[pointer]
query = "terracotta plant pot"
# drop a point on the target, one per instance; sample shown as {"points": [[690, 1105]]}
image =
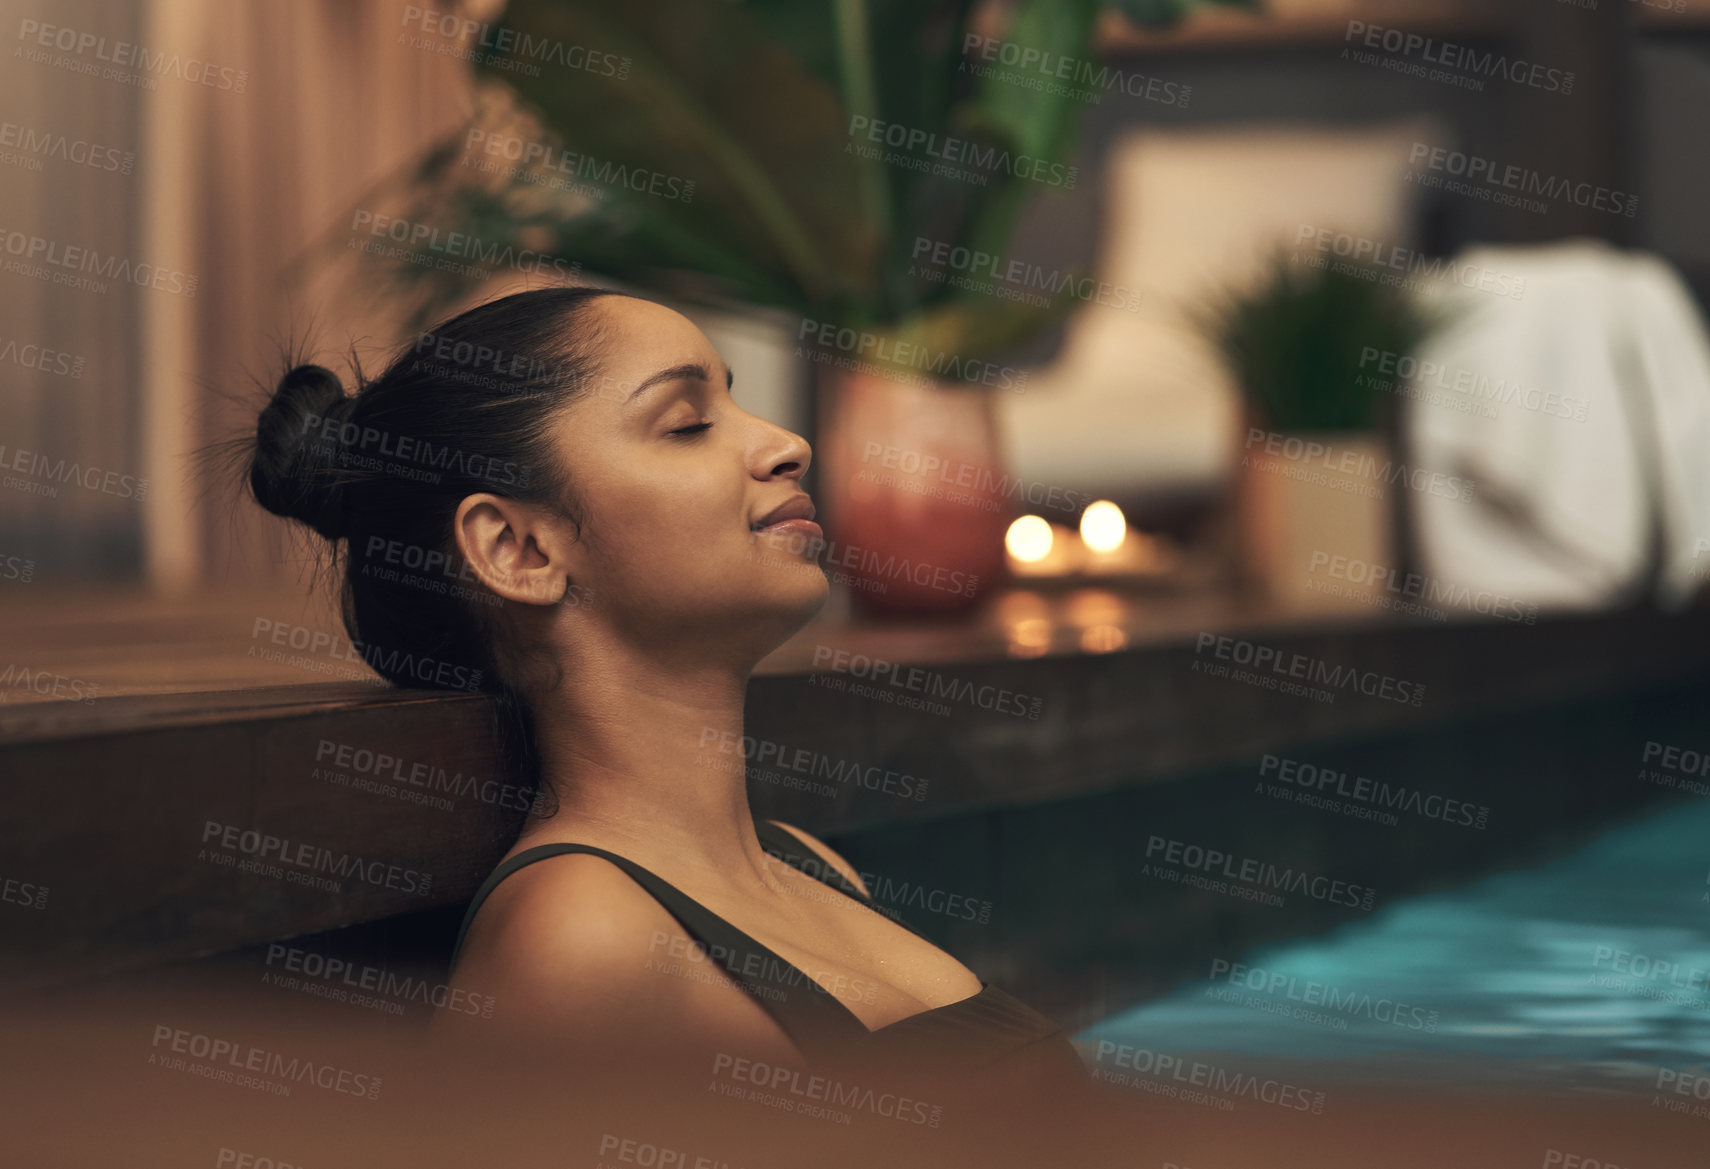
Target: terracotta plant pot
{"points": [[917, 499]]}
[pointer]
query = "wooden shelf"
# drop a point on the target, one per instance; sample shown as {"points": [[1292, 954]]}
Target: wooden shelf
{"points": [[105, 804], [128, 645], [1690, 16], [1301, 24]]}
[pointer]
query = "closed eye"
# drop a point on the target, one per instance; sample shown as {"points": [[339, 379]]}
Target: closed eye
{"points": [[692, 431]]}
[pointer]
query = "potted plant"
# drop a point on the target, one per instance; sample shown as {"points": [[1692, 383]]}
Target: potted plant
{"points": [[797, 155], [1320, 355]]}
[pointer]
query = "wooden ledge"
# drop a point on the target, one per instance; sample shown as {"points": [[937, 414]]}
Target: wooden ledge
{"points": [[126, 810]]}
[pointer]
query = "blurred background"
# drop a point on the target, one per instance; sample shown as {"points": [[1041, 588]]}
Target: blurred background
{"points": [[1301, 406], [1181, 159]]}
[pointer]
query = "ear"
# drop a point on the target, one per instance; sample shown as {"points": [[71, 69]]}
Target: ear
{"points": [[522, 551]]}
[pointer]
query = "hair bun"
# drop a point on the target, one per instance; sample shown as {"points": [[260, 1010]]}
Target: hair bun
{"points": [[295, 471]]}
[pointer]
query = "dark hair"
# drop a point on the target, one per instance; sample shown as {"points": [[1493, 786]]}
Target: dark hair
{"points": [[465, 408]]}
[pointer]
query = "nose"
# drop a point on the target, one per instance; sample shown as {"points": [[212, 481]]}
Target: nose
{"points": [[782, 454]]}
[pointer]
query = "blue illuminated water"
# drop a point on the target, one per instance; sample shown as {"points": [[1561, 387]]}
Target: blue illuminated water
{"points": [[1509, 964]]}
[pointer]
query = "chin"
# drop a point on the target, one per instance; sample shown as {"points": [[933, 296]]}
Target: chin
{"points": [[796, 600], [815, 591]]}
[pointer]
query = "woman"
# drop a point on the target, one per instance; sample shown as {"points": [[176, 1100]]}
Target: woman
{"points": [[633, 543]]}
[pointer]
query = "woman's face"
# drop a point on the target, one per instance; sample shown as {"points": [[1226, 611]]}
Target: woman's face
{"points": [[673, 478]]}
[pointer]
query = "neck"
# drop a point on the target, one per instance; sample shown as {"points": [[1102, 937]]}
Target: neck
{"points": [[644, 756]]}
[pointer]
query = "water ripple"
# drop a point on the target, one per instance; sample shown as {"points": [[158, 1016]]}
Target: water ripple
{"points": [[1593, 966]]}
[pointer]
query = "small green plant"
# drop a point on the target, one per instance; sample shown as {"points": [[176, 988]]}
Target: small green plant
{"points": [[1309, 346]]}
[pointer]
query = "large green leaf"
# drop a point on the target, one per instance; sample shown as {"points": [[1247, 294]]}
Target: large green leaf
{"points": [[756, 103], [710, 97]]}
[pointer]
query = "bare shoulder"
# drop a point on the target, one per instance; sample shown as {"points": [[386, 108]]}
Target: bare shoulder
{"points": [[571, 947], [826, 854], [573, 905], [564, 937]]}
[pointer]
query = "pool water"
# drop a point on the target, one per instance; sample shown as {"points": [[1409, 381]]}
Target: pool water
{"points": [[1591, 970]]}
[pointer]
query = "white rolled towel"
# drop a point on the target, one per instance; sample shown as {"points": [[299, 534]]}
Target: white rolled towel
{"points": [[1580, 408]]}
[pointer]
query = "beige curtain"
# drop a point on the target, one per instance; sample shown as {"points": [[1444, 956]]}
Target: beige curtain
{"points": [[69, 404], [112, 143], [238, 186]]}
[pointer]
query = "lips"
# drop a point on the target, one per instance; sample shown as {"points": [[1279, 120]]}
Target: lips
{"points": [[797, 507], [791, 525]]}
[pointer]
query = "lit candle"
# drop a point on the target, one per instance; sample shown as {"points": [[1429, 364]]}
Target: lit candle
{"points": [[1029, 539], [1103, 527]]}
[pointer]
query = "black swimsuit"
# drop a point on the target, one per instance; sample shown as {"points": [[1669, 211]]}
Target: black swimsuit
{"points": [[984, 1030]]}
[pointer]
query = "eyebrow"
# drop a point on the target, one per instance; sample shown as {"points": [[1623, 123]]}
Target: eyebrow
{"points": [[691, 369]]}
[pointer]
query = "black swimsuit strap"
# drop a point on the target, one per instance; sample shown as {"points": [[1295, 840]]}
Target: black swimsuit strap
{"points": [[808, 1013], [784, 845]]}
